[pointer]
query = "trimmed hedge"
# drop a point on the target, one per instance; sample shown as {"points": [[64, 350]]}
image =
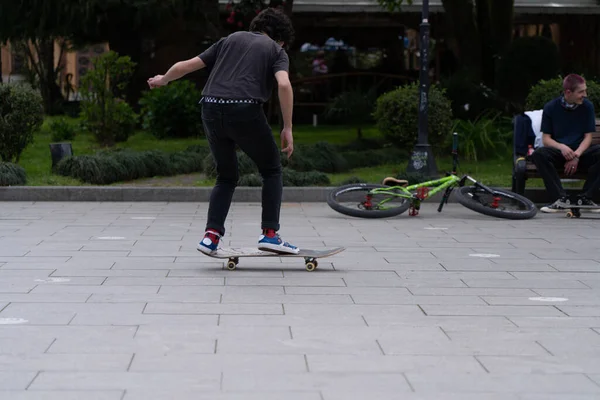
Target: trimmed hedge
{"points": [[12, 174], [290, 178], [123, 165]]}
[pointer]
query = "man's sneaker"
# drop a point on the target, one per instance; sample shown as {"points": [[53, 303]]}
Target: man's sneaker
{"points": [[558, 206], [210, 242], [584, 201], [271, 241]]}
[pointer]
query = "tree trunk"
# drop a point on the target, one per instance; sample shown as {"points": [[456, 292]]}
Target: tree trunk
{"points": [[502, 25], [461, 18], [41, 61], [485, 37], [128, 43]]}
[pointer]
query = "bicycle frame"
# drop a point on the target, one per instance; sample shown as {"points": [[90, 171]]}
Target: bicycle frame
{"points": [[447, 183]]}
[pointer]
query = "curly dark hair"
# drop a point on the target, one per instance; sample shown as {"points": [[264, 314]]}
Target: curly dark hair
{"points": [[274, 23]]}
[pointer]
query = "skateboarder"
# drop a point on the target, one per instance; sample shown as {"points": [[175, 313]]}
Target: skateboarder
{"points": [[243, 67]]}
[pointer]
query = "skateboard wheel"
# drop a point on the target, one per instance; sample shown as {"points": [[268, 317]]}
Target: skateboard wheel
{"points": [[569, 214], [231, 265], [311, 266]]}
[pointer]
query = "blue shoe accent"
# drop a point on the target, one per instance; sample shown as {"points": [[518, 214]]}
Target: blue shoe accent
{"points": [[276, 245], [210, 243]]}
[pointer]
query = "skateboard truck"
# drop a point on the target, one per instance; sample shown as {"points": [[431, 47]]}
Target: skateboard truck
{"points": [[311, 263]]}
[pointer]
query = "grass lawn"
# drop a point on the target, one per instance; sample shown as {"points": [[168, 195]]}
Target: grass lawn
{"points": [[37, 162]]}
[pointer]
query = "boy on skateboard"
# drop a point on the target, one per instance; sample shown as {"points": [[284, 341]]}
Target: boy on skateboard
{"points": [[242, 67]]}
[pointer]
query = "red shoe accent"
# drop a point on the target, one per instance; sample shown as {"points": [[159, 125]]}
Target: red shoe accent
{"points": [[270, 233]]}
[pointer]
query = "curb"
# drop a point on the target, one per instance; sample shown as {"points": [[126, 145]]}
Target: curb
{"points": [[309, 194], [170, 194]]}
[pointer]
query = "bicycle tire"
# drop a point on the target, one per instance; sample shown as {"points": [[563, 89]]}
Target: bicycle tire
{"points": [[356, 212], [529, 208]]}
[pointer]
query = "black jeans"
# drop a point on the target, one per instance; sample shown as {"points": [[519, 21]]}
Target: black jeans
{"points": [[246, 125], [548, 160]]}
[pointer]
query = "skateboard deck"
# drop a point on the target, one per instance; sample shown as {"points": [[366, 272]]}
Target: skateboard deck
{"points": [[575, 209], [235, 253]]}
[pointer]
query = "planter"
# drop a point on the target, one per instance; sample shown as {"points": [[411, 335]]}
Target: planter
{"points": [[58, 151]]}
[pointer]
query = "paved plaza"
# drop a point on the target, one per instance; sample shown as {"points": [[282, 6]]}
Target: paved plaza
{"points": [[111, 301]]}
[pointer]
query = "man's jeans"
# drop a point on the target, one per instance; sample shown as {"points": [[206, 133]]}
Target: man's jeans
{"points": [[226, 125], [548, 160]]}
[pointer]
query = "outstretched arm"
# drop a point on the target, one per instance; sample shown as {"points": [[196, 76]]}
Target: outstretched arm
{"points": [[177, 71]]}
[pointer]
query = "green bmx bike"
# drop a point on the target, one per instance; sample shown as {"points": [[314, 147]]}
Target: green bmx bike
{"points": [[367, 200]]}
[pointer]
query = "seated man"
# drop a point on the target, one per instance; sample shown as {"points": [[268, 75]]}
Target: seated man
{"points": [[568, 122]]}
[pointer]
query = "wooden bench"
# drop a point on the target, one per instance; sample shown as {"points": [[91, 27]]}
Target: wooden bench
{"points": [[524, 168]]}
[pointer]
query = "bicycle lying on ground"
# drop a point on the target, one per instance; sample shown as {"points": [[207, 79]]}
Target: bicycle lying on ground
{"points": [[368, 200]]}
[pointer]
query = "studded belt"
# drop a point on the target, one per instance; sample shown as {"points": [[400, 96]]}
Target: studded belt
{"points": [[219, 100]]}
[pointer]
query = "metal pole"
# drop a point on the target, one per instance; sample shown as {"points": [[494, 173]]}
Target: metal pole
{"points": [[422, 160]]}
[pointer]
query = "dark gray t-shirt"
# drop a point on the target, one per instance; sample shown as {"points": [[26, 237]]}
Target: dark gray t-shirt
{"points": [[243, 66]]}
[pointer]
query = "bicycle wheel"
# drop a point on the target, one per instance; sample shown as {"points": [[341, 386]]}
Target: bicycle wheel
{"points": [[356, 201], [500, 204]]}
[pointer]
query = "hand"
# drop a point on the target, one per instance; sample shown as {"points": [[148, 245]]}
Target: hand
{"points": [[567, 153], [287, 141], [157, 81], [571, 167]]}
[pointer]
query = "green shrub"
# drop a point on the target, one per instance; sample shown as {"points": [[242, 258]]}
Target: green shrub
{"points": [[157, 163], [363, 144], [12, 174], [546, 90], [371, 158], [123, 165], [133, 163], [198, 148], [103, 108], [290, 178], [397, 116], [527, 61], [250, 180], [311, 178], [21, 114], [482, 138], [173, 111], [245, 165], [186, 162], [61, 130], [320, 156], [352, 179]]}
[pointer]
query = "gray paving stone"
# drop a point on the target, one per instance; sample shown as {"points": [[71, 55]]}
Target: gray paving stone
{"points": [[286, 299], [202, 308], [382, 395], [125, 380], [384, 364], [148, 317], [544, 364], [492, 310], [61, 395], [234, 363], [142, 281], [323, 381], [183, 394], [64, 362], [10, 380], [503, 383], [556, 322], [90, 289]]}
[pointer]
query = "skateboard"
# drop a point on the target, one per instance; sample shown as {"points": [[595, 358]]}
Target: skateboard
{"points": [[575, 209], [234, 253], [575, 212]]}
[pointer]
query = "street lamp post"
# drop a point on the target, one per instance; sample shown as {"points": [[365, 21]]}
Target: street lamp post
{"points": [[422, 160]]}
